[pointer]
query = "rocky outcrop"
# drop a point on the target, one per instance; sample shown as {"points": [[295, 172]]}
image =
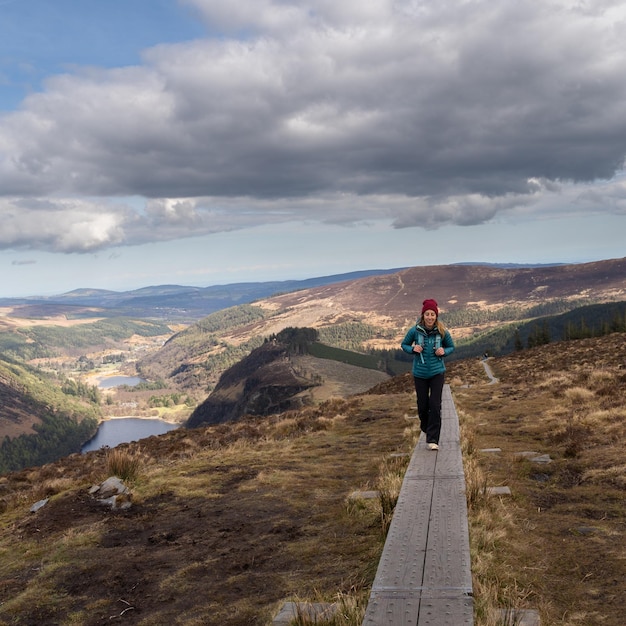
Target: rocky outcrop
{"points": [[263, 383]]}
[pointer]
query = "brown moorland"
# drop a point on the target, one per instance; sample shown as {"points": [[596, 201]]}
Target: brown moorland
{"points": [[557, 544], [392, 301], [399, 296], [229, 521]]}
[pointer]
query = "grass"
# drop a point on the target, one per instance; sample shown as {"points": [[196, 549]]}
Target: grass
{"points": [[229, 522], [552, 545], [346, 609], [389, 484], [123, 464], [226, 523]]}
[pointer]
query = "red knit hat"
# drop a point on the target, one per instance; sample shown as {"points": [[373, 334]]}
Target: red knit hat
{"points": [[430, 305]]}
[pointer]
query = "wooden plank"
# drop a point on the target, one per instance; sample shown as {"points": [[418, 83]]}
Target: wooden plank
{"points": [[447, 566], [450, 432], [402, 561], [385, 610], [424, 575], [446, 612], [421, 465], [445, 463]]}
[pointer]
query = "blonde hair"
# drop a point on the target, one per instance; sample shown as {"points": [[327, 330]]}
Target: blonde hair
{"points": [[441, 327]]}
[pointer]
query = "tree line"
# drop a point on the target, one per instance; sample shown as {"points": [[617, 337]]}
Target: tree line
{"points": [[39, 342], [592, 320]]}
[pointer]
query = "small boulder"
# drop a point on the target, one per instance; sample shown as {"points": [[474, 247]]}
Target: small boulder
{"points": [[38, 505], [112, 493]]}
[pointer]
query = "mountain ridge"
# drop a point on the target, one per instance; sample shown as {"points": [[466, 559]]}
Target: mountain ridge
{"points": [[384, 306], [175, 302], [274, 378]]}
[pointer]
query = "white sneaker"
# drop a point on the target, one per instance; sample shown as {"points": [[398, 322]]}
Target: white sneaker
{"points": [[433, 446]]}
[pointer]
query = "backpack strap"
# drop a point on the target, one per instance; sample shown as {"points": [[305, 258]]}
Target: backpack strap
{"points": [[420, 341]]}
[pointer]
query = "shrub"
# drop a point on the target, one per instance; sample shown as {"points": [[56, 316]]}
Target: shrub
{"points": [[123, 464]]}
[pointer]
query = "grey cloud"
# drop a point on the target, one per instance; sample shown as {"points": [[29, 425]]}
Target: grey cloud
{"points": [[450, 112], [610, 196]]}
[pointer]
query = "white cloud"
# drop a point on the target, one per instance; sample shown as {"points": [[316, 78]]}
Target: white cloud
{"points": [[59, 225], [422, 113]]}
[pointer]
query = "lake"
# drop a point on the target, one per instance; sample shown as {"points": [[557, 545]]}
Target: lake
{"points": [[125, 429], [116, 381]]}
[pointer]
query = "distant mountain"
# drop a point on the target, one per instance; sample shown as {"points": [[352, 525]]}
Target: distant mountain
{"points": [[399, 296], [172, 302], [510, 265]]}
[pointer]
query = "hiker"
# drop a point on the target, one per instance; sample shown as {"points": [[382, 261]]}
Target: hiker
{"points": [[429, 341]]}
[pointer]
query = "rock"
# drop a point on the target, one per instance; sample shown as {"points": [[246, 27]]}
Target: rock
{"points": [[534, 457], [38, 505], [310, 611], [119, 502], [111, 486], [112, 493], [543, 458], [520, 617]]}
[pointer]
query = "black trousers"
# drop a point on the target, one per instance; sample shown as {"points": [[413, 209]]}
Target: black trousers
{"points": [[428, 392]]}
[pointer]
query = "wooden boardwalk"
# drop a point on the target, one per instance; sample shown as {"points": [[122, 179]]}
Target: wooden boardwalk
{"points": [[424, 576]]}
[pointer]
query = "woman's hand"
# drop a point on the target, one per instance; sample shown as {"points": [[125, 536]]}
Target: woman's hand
{"points": [[439, 352], [417, 348]]}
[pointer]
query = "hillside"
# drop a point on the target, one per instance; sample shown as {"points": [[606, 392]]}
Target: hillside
{"points": [[374, 312], [172, 303], [397, 297], [39, 421], [275, 378], [228, 521], [485, 306]]}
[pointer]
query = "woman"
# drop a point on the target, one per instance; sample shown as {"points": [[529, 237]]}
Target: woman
{"points": [[429, 341]]}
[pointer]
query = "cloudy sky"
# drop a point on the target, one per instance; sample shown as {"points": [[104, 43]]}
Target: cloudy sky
{"points": [[200, 142]]}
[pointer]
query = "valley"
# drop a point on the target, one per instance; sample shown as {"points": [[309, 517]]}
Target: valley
{"points": [[81, 338]]}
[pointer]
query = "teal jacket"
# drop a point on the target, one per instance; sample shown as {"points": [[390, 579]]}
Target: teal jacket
{"points": [[426, 364]]}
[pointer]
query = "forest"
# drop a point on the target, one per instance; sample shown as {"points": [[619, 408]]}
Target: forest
{"points": [[593, 320], [66, 415], [44, 341]]}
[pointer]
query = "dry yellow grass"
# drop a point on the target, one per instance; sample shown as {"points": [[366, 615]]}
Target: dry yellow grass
{"points": [[555, 545]]}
